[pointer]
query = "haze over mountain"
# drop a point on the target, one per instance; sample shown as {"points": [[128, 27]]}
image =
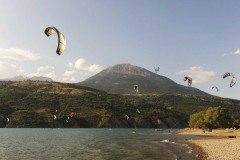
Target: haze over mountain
{"points": [[22, 78], [121, 78]]}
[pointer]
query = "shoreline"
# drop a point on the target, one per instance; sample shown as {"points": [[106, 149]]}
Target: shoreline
{"points": [[188, 151], [216, 144], [198, 151]]}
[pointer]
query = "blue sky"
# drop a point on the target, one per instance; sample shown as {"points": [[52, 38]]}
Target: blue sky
{"points": [[189, 37]]}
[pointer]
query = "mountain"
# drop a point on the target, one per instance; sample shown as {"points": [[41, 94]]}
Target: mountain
{"points": [[34, 104], [39, 78], [22, 78], [121, 78]]}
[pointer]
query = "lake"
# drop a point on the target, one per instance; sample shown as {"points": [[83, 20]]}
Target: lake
{"points": [[89, 144]]}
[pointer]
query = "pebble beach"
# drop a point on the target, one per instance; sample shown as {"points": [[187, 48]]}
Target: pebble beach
{"points": [[216, 144]]}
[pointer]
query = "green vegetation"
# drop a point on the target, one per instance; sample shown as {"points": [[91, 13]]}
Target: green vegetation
{"points": [[215, 117], [34, 104]]}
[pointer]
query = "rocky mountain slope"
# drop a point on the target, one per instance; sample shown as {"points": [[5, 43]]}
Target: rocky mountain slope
{"points": [[22, 78], [121, 78]]}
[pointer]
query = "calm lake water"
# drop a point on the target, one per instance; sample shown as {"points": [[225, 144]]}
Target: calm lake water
{"points": [[92, 144]]}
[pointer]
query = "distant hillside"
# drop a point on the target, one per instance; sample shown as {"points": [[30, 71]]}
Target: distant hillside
{"points": [[121, 79], [21, 78], [34, 104]]}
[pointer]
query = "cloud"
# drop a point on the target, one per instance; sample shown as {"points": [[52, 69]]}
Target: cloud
{"points": [[198, 74], [69, 73], [68, 76], [82, 64], [44, 71], [49, 71], [70, 65], [237, 52], [18, 54], [74, 72], [8, 70], [94, 68], [79, 70]]}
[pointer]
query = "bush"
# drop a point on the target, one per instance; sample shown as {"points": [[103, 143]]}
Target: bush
{"points": [[213, 117]]}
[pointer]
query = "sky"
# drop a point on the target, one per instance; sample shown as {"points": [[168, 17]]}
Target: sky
{"points": [[196, 38]]}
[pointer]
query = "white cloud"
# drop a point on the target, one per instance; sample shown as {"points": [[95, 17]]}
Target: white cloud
{"points": [[79, 70], [70, 65], [44, 71], [82, 64], [68, 76], [69, 73], [18, 54], [8, 70], [74, 72], [95, 68], [237, 52], [198, 74]]}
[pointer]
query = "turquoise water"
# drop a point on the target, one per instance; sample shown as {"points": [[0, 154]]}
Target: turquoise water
{"points": [[92, 144]]}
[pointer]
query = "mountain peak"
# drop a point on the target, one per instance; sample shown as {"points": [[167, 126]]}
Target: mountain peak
{"points": [[22, 78], [129, 69], [121, 78]]}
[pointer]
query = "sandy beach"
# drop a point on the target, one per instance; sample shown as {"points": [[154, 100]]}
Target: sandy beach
{"points": [[217, 144]]}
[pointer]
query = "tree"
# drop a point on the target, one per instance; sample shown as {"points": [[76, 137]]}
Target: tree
{"points": [[196, 120], [213, 117]]}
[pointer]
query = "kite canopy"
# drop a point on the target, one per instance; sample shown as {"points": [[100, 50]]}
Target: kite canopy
{"points": [[216, 88], [156, 69], [127, 117], [189, 79], [138, 111], [136, 88], [72, 114], [61, 39], [228, 74], [233, 80]]}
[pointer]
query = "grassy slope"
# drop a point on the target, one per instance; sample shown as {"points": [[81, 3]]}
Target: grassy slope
{"points": [[33, 104]]}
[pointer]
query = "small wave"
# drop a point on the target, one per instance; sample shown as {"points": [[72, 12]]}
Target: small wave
{"points": [[168, 141], [165, 140], [189, 149]]}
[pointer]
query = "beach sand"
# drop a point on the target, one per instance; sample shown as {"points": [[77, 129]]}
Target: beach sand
{"points": [[217, 144]]}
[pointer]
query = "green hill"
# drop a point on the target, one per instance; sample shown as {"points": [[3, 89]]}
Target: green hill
{"points": [[34, 103]]}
